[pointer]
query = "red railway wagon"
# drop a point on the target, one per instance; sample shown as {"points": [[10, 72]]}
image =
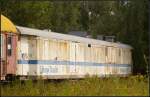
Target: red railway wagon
{"points": [[9, 38]]}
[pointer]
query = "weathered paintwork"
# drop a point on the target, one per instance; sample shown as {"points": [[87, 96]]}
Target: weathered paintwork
{"points": [[52, 58], [7, 26], [9, 36], [8, 61], [55, 55]]}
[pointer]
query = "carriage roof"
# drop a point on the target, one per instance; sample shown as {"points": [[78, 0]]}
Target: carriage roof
{"points": [[7, 25], [60, 36]]}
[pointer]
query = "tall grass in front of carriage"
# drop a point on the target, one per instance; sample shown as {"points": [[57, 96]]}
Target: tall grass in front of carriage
{"points": [[133, 85]]}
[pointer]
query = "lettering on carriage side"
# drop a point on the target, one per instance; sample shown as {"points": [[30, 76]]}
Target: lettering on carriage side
{"points": [[48, 69]]}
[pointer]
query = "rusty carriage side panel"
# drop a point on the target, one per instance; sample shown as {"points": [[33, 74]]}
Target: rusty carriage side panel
{"points": [[117, 61], [27, 51], [126, 60], [11, 54], [54, 56], [42, 57], [8, 54]]}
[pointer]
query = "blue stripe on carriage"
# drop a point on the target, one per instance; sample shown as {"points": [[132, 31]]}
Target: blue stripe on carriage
{"points": [[54, 62]]}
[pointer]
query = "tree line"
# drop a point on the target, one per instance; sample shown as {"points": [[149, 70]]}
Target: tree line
{"points": [[125, 19]]}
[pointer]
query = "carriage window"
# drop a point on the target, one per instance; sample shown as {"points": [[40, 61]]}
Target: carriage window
{"points": [[89, 45], [9, 46]]}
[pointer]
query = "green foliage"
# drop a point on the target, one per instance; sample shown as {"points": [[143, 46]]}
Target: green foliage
{"points": [[90, 86]]}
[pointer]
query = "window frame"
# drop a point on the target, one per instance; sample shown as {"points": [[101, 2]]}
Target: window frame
{"points": [[9, 43]]}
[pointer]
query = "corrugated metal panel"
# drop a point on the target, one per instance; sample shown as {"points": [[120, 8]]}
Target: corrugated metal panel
{"points": [[24, 69], [32, 54], [54, 50], [80, 52], [32, 48], [72, 46], [83, 58]]}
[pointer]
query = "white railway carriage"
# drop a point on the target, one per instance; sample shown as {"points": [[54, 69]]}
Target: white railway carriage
{"points": [[55, 56]]}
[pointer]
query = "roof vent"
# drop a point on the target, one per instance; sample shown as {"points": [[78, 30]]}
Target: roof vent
{"points": [[48, 30], [109, 38], [100, 37], [78, 33], [88, 36]]}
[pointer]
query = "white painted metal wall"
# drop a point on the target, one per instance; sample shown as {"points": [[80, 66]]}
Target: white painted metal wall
{"points": [[94, 60]]}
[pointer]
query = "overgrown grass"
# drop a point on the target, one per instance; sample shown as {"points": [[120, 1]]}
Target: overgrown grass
{"points": [[133, 86]]}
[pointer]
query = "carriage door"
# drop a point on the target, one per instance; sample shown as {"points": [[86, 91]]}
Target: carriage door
{"points": [[11, 44], [72, 64]]}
